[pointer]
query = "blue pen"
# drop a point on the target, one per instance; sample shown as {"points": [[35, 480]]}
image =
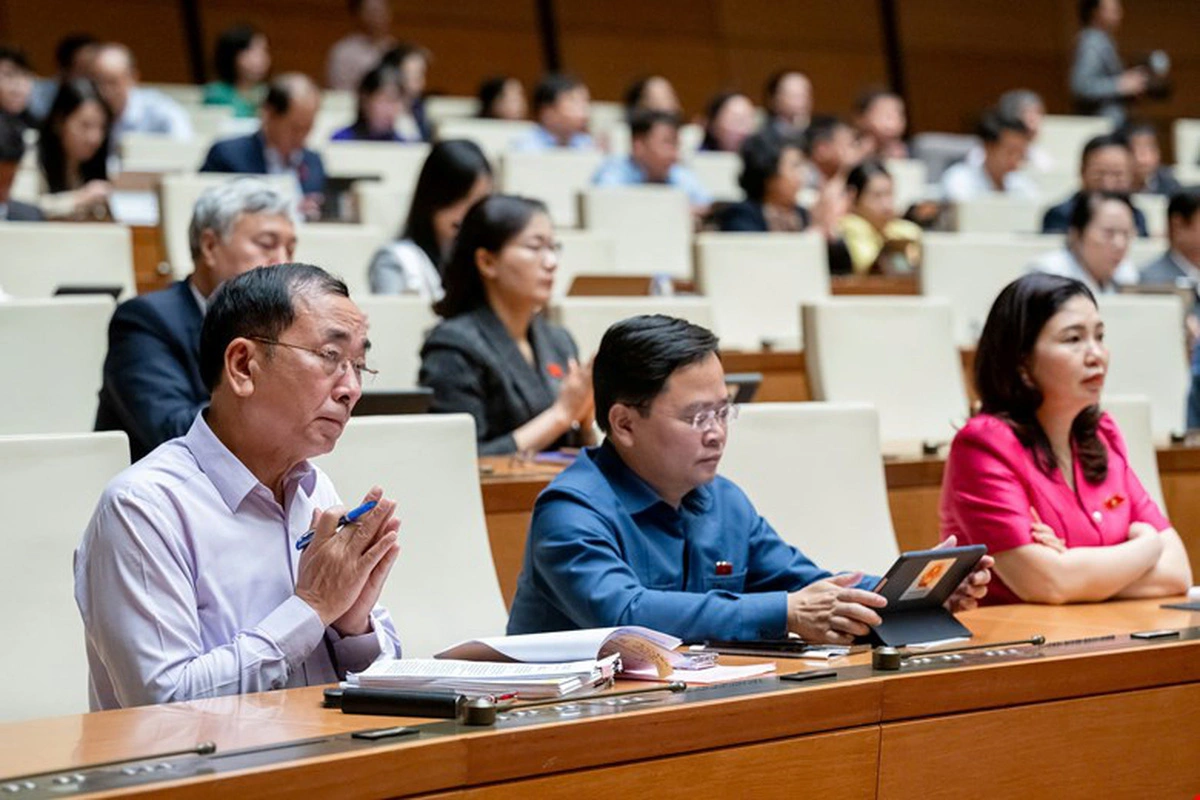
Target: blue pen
{"points": [[346, 519]]}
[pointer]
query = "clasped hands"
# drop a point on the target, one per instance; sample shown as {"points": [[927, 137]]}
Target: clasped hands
{"points": [[341, 573], [834, 611]]}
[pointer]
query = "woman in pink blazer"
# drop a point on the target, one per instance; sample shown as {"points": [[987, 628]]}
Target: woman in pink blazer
{"points": [[1041, 475]]}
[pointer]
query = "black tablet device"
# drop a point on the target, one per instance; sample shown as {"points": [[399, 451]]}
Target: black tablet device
{"points": [[917, 587]]}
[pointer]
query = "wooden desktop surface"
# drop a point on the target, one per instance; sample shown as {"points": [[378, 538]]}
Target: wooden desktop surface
{"points": [[510, 487], [1103, 719]]}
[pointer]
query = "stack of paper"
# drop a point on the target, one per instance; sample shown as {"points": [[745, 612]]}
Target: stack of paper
{"points": [[639, 648], [482, 677]]}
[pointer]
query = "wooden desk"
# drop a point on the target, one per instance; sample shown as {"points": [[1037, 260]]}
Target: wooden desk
{"points": [[914, 488], [1103, 719]]}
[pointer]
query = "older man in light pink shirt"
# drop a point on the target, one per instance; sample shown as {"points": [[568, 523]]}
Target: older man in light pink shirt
{"points": [[188, 577]]}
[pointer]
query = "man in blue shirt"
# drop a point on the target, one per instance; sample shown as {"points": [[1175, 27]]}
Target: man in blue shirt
{"points": [[562, 105], [654, 159], [642, 530]]}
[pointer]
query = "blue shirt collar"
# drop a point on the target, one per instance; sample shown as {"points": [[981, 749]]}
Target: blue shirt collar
{"points": [[633, 492]]}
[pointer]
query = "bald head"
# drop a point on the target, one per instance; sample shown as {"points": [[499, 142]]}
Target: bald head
{"points": [[115, 73], [288, 111]]}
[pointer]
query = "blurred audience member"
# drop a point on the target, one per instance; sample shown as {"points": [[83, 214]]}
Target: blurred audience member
{"points": [[728, 120], [412, 60], [1100, 231], [242, 62], [1027, 106], [277, 148], [73, 56], [73, 154], [652, 93], [830, 148], [381, 101], [495, 356], [1005, 141], [876, 239], [654, 159], [881, 122], [1105, 166], [1149, 174], [1181, 263], [135, 109], [772, 175], [1100, 85], [152, 385], [503, 97], [454, 177], [16, 86], [12, 149], [356, 54], [788, 96], [561, 105]]}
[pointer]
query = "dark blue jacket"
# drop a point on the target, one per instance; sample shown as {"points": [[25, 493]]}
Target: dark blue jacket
{"points": [[152, 388], [248, 154], [1058, 218]]}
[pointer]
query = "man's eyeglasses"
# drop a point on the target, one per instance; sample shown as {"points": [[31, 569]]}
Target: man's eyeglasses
{"points": [[332, 360], [703, 420]]}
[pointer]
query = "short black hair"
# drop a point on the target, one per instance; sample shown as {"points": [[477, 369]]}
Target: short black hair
{"points": [[1085, 204], [632, 98], [282, 90], [489, 92], [760, 154], [643, 121], [1100, 142], [772, 84], [230, 45], [861, 175], [993, 124], [1138, 127], [821, 129], [69, 46], [551, 87], [638, 355], [1087, 9], [12, 140], [259, 303], [1184, 204], [15, 55]]}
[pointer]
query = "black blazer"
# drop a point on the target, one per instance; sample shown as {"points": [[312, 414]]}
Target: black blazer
{"points": [[473, 365], [23, 212], [1058, 218], [748, 217], [248, 154], [152, 388]]}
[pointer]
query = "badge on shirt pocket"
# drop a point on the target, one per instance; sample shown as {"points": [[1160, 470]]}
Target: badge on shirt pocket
{"points": [[1114, 501]]}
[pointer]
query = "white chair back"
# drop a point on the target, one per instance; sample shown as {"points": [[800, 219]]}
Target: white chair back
{"points": [[1148, 355], [909, 179], [831, 501], [393, 163], [383, 206], [342, 248], [443, 587], [897, 354], [188, 95], [44, 525], [969, 270], [718, 173], [587, 318], [492, 135], [55, 353], [756, 283], [210, 122], [398, 325], [155, 152], [1186, 133], [603, 116], [999, 214], [440, 108], [583, 253], [1154, 207], [1057, 184], [651, 226], [1062, 136], [177, 198], [38, 257], [556, 177], [1131, 412]]}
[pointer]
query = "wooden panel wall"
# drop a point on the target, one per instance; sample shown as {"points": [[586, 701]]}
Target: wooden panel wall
{"points": [[958, 56]]}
